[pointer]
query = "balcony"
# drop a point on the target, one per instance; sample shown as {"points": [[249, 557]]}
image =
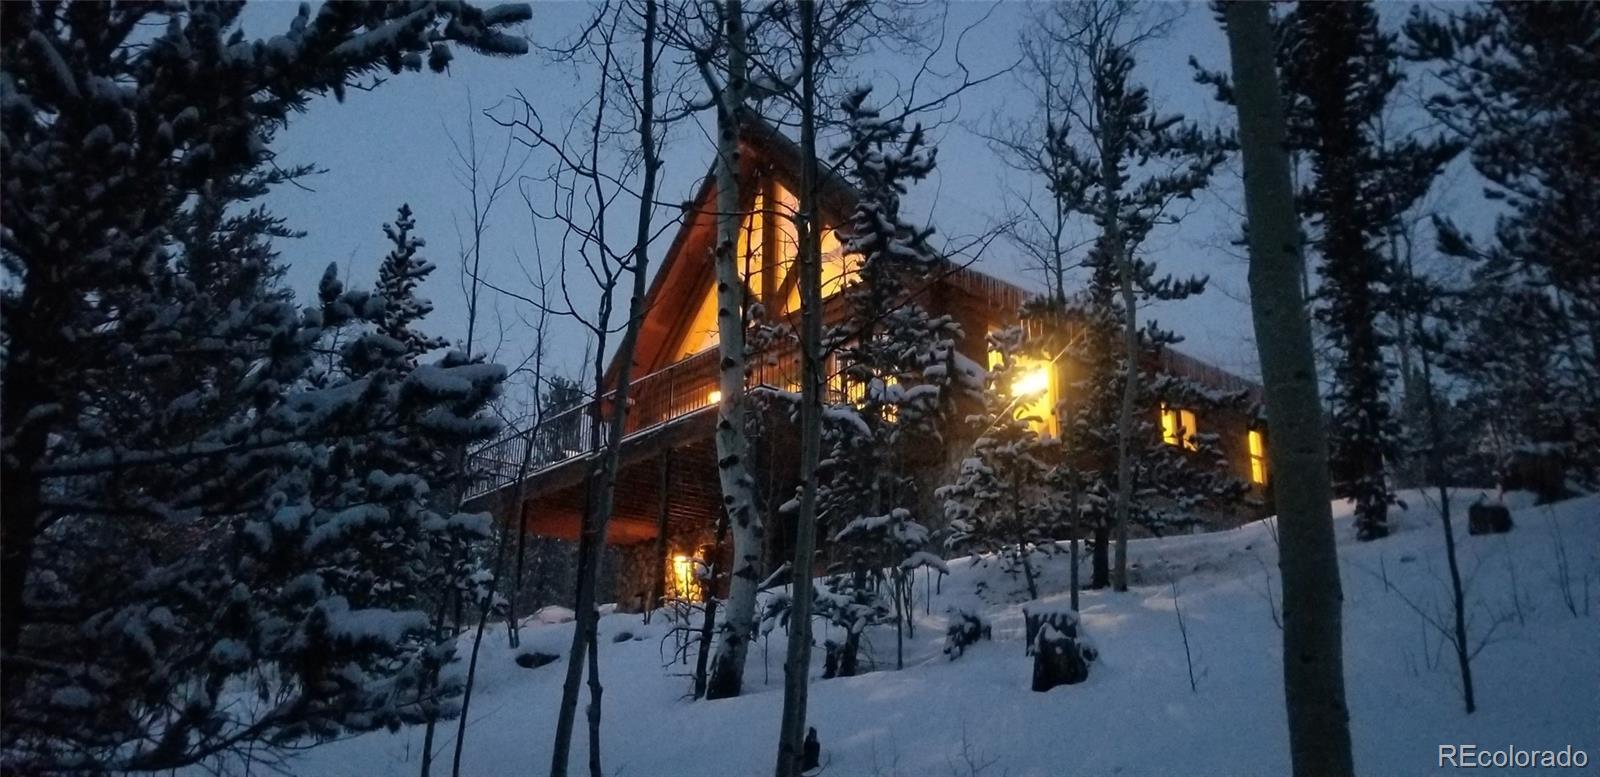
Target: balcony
{"points": [[673, 394]]}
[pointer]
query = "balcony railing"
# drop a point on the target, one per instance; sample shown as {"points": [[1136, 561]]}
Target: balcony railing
{"points": [[654, 400]]}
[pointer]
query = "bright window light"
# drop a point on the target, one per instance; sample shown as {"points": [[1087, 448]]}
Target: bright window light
{"points": [[1034, 381]]}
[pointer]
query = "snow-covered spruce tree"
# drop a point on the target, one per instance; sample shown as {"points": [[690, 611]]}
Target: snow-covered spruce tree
{"points": [[1521, 86], [899, 374], [1003, 499], [151, 371], [1171, 486], [1127, 165], [285, 594], [1339, 73]]}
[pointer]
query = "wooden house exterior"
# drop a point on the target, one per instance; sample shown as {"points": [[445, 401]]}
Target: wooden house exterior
{"points": [[667, 496]]}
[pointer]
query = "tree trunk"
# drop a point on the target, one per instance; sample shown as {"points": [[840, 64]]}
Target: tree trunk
{"points": [[1110, 180], [733, 454], [466, 695], [658, 589], [797, 659], [603, 479], [709, 624], [596, 691], [1100, 575], [513, 627], [1436, 473], [1027, 572], [583, 611], [1313, 661], [1130, 391], [1072, 497]]}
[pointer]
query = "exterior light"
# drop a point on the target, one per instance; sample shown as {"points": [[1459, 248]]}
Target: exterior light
{"points": [[1034, 381], [684, 584], [714, 397]]}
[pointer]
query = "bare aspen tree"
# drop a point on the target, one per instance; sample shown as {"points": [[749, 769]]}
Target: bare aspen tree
{"points": [[797, 659], [1313, 659], [483, 193], [518, 493], [745, 523], [580, 185]]}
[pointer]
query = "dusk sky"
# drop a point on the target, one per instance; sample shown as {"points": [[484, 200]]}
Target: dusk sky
{"points": [[391, 145]]}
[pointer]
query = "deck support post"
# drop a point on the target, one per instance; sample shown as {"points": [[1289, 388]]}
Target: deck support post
{"points": [[658, 591]]}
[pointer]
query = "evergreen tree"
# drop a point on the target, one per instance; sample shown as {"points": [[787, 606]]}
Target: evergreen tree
{"points": [[898, 381], [1340, 72], [302, 544], [1521, 87], [200, 491], [1129, 164], [1004, 500], [1172, 482]]}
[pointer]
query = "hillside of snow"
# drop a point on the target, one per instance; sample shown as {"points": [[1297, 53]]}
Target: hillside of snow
{"points": [[1537, 671]]}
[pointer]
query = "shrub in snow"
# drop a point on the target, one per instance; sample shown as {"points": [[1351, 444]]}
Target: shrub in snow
{"points": [[964, 632], [535, 659], [1488, 519]]}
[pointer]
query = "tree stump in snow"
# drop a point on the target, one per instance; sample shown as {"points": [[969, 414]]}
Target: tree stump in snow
{"points": [[1061, 654], [1485, 518], [811, 756]]}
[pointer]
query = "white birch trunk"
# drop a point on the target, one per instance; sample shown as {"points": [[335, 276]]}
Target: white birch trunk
{"points": [[733, 460]]}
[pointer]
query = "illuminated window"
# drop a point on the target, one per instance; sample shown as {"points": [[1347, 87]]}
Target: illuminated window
{"points": [[684, 583], [1034, 389], [1178, 427], [752, 239], [702, 332], [1258, 458]]}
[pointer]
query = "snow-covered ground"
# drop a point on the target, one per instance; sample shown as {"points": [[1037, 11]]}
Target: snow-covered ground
{"points": [[1537, 674]]}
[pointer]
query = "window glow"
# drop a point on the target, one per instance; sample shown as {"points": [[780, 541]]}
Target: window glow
{"points": [[1258, 458], [1034, 381], [684, 584], [1034, 390], [1178, 427]]}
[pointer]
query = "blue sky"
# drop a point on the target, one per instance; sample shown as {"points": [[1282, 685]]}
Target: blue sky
{"points": [[392, 145]]}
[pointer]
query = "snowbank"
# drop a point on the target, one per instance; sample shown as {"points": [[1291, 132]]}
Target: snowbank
{"points": [[1537, 674]]}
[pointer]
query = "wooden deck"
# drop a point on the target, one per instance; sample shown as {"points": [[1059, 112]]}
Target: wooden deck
{"points": [[672, 416]]}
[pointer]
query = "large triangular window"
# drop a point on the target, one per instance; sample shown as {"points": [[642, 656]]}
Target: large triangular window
{"points": [[767, 247]]}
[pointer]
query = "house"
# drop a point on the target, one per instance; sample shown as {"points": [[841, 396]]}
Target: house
{"points": [[667, 495]]}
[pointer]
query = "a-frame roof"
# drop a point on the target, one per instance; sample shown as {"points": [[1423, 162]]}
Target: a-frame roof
{"points": [[686, 270]]}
